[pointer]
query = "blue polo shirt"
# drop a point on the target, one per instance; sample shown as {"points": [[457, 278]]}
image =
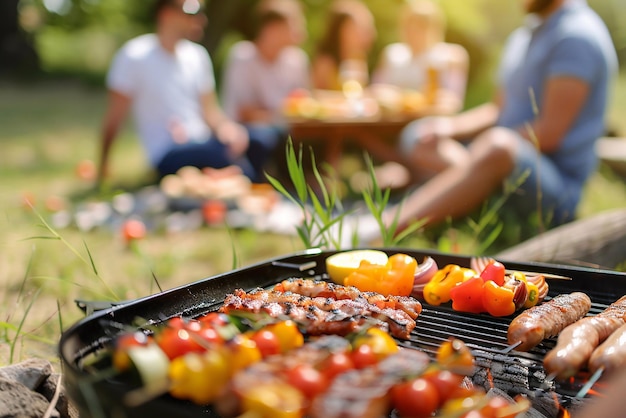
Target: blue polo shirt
{"points": [[572, 42]]}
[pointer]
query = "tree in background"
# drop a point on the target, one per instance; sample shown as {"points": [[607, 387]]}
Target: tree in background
{"points": [[79, 37]]}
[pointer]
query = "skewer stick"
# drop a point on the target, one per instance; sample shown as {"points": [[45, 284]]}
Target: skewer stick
{"points": [[510, 347], [545, 275], [592, 381]]}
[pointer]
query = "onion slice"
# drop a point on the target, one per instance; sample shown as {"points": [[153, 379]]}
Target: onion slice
{"points": [[423, 274]]}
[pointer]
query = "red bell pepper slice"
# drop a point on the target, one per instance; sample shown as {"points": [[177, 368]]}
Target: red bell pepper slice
{"points": [[494, 271], [468, 296]]}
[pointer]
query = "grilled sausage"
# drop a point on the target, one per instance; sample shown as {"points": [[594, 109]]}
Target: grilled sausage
{"points": [[611, 354], [547, 319], [577, 342]]}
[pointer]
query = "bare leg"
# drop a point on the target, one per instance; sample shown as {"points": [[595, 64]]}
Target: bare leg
{"points": [[429, 158], [462, 187]]}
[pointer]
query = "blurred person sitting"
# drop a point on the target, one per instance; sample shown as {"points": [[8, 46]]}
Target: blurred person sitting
{"points": [[260, 74], [541, 128], [168, 81], [423, 61], [342, 53]]}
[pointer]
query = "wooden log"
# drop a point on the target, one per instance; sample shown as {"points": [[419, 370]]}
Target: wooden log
{"points": [[597, 241]]}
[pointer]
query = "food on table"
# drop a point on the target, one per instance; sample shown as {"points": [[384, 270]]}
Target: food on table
{"points": [[208, 183], [576, 342], [331, 105], [611, 354], [322, 315], [547, 319], [340, 265]]}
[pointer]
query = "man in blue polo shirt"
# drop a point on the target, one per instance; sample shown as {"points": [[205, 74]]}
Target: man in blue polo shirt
{"points": [[540, 129]]}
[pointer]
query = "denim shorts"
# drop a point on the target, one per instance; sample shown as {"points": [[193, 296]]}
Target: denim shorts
{"points": [[542, 185]]}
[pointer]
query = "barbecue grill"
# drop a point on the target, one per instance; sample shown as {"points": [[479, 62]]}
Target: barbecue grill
{"points": [[498, 366]]}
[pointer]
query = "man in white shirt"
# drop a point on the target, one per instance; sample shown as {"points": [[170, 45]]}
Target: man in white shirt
{"points": [[167, 80]]}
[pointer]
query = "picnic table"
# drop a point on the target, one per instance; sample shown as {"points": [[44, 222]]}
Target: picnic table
{"points": [[377, 136], [370, 121]]}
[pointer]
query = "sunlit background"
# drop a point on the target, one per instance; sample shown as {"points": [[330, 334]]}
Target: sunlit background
{"points": [[78, 37]]}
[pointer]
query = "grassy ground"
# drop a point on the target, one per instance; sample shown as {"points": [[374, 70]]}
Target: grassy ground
{"points": [[46, 131]]}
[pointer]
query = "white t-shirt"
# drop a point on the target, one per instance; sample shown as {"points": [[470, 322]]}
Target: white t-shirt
{"points": [[249, 80], [165, 89]]}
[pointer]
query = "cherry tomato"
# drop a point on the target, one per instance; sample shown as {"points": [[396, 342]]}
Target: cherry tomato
{"points": [[417, 398], [336, 364], [381, 342], [121, 360], [209, 336], [272, 400], [243, 352], [177, 342], [446, 383], [494, 406], [193, 326], [288, 334], [266, 341], [307, 379], [132, 339], [455, 356], [498, 407], [214, 319], [363, 356], [176, 322]]}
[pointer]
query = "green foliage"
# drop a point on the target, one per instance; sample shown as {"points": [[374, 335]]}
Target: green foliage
{"points": [[377, 201], [82, 39], [320, 218], [325, 221]]}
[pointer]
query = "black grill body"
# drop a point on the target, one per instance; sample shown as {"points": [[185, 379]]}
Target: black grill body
{"points": [[511, 371]]}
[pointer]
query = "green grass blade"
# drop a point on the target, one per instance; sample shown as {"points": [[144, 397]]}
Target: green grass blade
{"points": [[281, 189], [13, 343]]}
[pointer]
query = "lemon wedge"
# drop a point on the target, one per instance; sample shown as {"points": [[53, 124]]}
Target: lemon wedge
{"points": [[340, 265]]}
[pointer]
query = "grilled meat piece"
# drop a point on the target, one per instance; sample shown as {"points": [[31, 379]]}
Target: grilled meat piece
{"points": [[577, 341], [364, 393], [320, 288], [320, 315], [547, 319]]}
